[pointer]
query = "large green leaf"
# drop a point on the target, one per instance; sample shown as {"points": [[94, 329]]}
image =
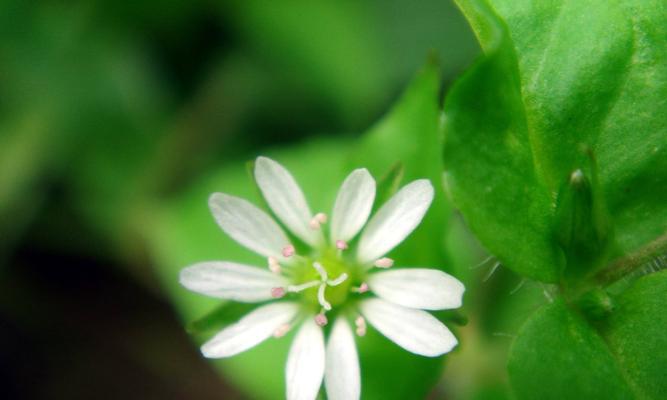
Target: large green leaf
{"points": [[557, 355], [558, 91], [488, 162]]}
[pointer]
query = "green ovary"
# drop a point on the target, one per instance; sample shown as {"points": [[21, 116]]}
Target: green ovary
{"points": [[335, 267]]}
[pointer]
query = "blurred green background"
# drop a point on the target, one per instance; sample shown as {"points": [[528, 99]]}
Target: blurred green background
{"points": [[108, 110]]}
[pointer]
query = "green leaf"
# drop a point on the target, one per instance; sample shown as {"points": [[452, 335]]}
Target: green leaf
{"points": [[489, 171], [557, 355], [555, 85], [388, 185], [409, 135], [225, 314], [636, 330]]}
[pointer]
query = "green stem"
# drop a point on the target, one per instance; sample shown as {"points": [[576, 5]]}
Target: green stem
{"points": [[632, 262]]}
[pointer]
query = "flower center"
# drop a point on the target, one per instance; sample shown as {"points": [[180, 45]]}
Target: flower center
{"points": [[325, 283], [326, 279]]}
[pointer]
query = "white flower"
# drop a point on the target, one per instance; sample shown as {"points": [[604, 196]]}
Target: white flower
{"points": [[302, 288]]}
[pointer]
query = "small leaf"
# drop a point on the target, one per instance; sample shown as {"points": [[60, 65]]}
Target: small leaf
{"points": [[596, 304], [581, 222]]}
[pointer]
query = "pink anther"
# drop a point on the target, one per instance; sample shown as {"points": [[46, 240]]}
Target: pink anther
{"points": [[341, 245], [281, 331], [321, 319], [277, 292], [288, 251], [384, 262], [317, 220], [360, 323]]}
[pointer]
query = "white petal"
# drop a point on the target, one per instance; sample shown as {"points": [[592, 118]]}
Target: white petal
{"points": [[428, 289], [285, 198], [305, 363], [232, 281], [353, 205], [395, 220], [251, 330], [248, 225], [342, 377], [414, 330]]}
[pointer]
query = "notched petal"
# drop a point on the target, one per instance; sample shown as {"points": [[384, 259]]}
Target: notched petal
{"points": [[286, 200], [414, 330], [342, 376], [251, 330], [353, 205], [305, 363], [231, 281], [395, 220], [248, 225], [424, 288]]}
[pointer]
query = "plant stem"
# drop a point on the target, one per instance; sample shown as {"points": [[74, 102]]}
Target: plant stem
{"points": [[630, 263]]}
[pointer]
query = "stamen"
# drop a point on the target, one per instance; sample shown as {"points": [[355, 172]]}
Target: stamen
{"points": [[338, 280], [274, 266], [341, 245], [302, 287], [277, 292], [360, 322], [281, 331], [321, 319], [363, 288], [288, 251], [320, 297], [317, 221], [321, 218], [384, 262], [320, 270]]}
